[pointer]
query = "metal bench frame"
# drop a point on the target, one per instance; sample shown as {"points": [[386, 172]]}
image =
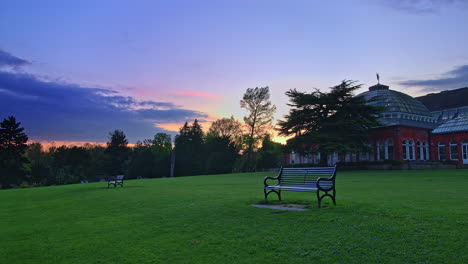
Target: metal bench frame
{"points": [[315, 179], [115, 180]]}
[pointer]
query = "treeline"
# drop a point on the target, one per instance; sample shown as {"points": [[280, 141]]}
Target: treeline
{"points": [[221, 150]]}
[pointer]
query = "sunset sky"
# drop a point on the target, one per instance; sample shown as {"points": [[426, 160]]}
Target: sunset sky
{"points": [[75, 70]]}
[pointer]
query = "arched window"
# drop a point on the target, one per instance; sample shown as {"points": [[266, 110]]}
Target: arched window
{"points": [[380, 150], [420, 150], [426, 149], [292, 158], [408, 150], [389, 149], [442, 152], [411, 150], [453, 150], [405, 149]]}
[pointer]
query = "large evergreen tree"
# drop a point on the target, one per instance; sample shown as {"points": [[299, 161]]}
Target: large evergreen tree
{"points": [[117, 153], [12, 148], [189, 155], [337, 121]]}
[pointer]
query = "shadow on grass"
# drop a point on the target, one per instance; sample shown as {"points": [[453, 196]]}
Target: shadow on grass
{"points": [[306, 204]]}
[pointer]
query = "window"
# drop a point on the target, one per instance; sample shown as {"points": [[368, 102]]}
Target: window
{"points": [[442, 153], [411, 150], [317, 158], [364, 156], [420, 150], [423, 150], [408, 150], [453, 150], [465, 149], [380, 151], [405, 149], [389, 149], [292, 158], [426, 148]]}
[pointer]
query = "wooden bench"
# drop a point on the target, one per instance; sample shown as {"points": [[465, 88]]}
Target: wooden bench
{"points": [[317, 179], [115, 180]]}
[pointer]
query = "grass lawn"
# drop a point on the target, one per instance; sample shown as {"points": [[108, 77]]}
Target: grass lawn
{"points": [[380, 217]]}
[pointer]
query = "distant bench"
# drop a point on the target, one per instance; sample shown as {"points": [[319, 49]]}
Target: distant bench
{"points": [[316, 179], [115, 180]]}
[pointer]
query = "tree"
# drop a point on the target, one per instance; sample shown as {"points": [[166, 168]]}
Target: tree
{"points": [[117, 152], [330, 122], [270, 154], [150, 158], [221, 154], [70, 165], [12, 148], [162, 142], [189, 150], [226, 127], [40, 163], [260, 115]]}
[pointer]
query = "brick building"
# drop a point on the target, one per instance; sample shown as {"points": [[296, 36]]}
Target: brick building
{"points": [[432, 127]]}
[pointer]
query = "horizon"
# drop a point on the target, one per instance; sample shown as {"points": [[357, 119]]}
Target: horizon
{"points": [[73, 72]]}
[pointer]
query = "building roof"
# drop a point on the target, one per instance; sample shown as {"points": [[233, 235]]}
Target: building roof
{"points": [[453, 125], [395, 101], [400, 108]]}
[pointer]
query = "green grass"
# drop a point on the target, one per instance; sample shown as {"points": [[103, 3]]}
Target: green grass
{"points": [[380, 217]]}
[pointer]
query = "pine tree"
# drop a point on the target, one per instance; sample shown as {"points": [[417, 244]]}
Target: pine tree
{"points": [[117, 153], [189, 150], [330, 122], [12, 148]]}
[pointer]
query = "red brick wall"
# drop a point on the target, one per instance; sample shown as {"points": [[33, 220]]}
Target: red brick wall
{"points": [[447, 138], [398, 134]]}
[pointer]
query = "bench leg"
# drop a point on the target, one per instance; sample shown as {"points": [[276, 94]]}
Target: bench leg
{"points": [[320, 197], [275, 191], [334, 197]]}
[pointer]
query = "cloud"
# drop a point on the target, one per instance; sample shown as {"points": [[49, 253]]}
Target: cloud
{"points": [[53, 110], [422, 6], [193, 93], [6, 59], [451, 80]]}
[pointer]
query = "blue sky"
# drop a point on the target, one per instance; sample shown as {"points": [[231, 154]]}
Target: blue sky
{"points": [[76, 70]]}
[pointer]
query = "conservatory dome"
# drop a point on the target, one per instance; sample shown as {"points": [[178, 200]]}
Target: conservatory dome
{"points": [[400, 108]]}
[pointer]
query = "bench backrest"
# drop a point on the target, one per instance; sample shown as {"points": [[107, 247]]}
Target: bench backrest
{"points": [[306, 176], [119, 178]]}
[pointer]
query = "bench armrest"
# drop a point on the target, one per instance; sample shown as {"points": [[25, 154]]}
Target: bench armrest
{"points": [[331, 179], [269, 178]]}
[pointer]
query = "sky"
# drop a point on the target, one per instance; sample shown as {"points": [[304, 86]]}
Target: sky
{"points": [[73, 71]]}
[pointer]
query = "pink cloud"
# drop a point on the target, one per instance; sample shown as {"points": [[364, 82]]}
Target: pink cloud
{"points": [[145, 93], [193, 93]]}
